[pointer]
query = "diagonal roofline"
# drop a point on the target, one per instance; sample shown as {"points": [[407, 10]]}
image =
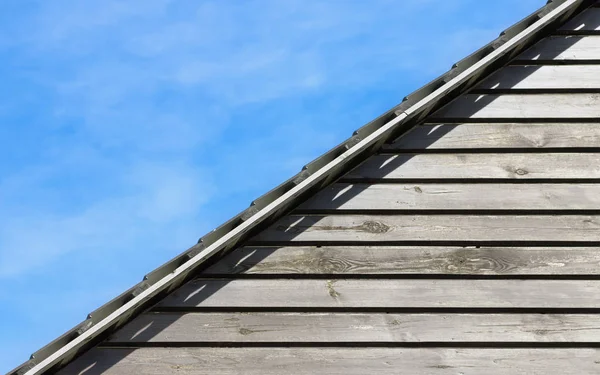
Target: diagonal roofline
{"points": [[315, 175]]}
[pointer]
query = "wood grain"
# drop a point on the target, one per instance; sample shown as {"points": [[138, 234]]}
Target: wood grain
{"points": [[377, 228], [348, 327], [386, 293], [509, 136], [340, 361], [522, 106], [564, 48], [589, 19], [417, 197], [544, 77], [377, 260], [513, 166]]}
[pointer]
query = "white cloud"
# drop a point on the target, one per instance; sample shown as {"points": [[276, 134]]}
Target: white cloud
{"points": [[153, 201], [170, 191]]}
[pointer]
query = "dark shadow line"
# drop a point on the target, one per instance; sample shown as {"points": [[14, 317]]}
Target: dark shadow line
{"points": [[513, 120], [576, 33], [540, 91], [433, 121], [463, 243], [518, 62], [368, 310], [353, 344], [470, 181], [389, 149], [399, 276], [426, 212]]}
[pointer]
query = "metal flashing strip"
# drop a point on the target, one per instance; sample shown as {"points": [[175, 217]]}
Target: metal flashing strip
{"points": [[314, 175]]}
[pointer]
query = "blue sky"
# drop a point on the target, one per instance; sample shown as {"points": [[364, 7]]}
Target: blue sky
{"points": [[130, 128]]}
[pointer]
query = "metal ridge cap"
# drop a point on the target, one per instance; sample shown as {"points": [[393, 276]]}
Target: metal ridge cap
{"points": [[165, 277]]}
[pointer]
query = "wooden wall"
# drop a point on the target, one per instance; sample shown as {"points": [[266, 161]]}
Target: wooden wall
{"points": [[470, 245]]}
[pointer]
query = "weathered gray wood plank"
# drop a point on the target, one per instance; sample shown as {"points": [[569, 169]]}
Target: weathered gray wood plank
{"points": [[477, 166], [564, 48], [473, 136], [522, 106], [340, 361], [294, 228], [589, 19], [544, 77], [373, 260], [372, 327], [343, 196], [386, 293]]}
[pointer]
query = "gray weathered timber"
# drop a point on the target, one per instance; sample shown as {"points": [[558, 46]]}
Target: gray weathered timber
{"points": [[377, 260], [589, 19], [523, 106], [479, 166], [386, 293], [375, 228], [348, 327], [461, 196], [317, 174], [509, 136], [544, 77], [339, 361], [564, 48]]}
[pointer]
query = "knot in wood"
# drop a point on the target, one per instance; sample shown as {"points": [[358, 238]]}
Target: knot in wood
{"points": [[375, 227]]}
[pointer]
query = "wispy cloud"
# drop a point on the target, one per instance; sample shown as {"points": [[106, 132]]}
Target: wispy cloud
{"points": [[131, 128]]}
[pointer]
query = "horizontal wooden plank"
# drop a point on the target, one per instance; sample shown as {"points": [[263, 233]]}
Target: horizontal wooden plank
{"points": [[509, 136], [386, 293], [377, 260], [564, 48], [461, 196], [544, 77], [347, 361], [377, 228], [372, 327], [522, 106], [516, 166], [589, 19]]}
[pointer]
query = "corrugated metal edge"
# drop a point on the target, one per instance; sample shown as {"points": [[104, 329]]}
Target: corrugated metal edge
{"points": [[313, 176]]}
